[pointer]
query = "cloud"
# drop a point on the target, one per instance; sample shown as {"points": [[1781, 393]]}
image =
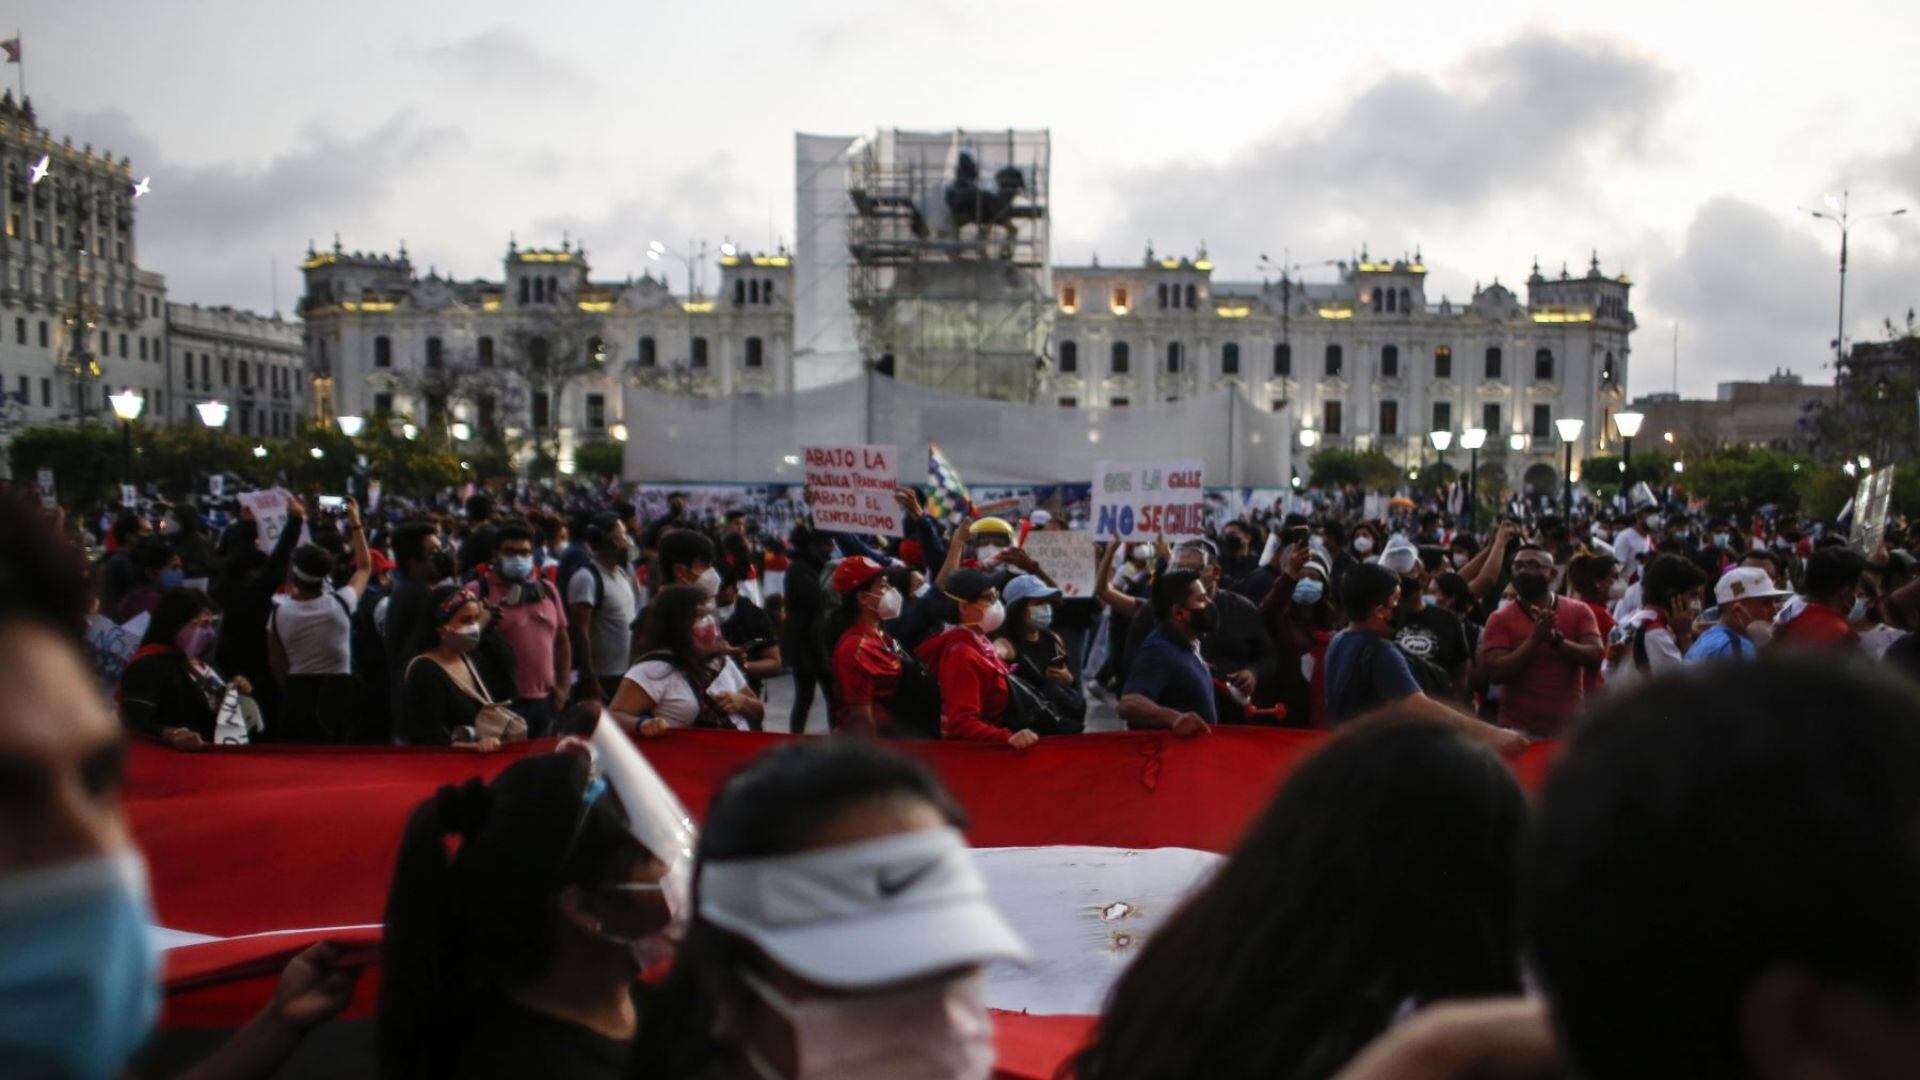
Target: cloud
{"points": [[1521, 117], [703, 201], [498, 57]]}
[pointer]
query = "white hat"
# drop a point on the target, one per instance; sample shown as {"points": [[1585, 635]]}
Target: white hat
{"points": [[1040, 519], [1747, 583], [1401, 558], [866, 914]]}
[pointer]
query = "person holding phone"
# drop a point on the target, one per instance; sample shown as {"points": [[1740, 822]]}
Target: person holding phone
{"points": [[310, 639]]}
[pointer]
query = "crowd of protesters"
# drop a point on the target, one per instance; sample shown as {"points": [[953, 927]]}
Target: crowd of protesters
{"points": [[1718, 879]]}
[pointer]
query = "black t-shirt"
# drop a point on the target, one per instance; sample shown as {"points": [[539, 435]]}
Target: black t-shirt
{"points": [[509, 1042], [1437, 636]]}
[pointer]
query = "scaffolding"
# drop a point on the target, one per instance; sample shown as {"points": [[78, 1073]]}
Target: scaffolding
{"points": [[947, 234]]}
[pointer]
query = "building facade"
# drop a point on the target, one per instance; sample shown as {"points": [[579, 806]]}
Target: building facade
{"points": [[1777, 413], [1366, 362], [541, 354], [79, 319], [251, 363]]}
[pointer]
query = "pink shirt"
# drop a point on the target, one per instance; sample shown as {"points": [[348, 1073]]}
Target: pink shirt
{"points": [[530, 629], [1551, 691]]}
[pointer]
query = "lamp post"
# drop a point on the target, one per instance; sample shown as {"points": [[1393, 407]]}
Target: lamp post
{"points": [[1628, 425], [350, 426], [1569, 434], [213, 413], [1837, 213], [1472, 439], [1441, 440], [618, 431], [127, 406], [658, 251]]}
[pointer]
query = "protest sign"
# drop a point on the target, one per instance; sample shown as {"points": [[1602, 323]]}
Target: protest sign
{"points": [[129, 495], [1870, 509], [217, 485], [1067, 557], [850, 488], [269, 509], [46, 488], [1142, 499]]}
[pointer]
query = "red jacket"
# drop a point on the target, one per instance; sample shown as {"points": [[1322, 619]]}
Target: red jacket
{"points": [[973, 685]]}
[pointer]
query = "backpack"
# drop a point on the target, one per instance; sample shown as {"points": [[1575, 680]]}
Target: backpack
{"points": [[1030, 710], [915, 705]]}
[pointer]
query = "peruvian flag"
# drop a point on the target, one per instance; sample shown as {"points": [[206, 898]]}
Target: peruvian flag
{"points": [[257, 852]]}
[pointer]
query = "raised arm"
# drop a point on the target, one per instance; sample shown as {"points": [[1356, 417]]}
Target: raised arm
{"points": [[362, 558], [955, 548]]}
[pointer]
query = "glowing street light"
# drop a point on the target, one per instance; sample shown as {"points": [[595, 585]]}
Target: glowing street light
{"points": [[1569, 433], [409, 432], [1516, 441], [316, 453], [259, 451], [1441, 440], [461, 431], [127, 406], [350, 425], [1309, 438], [619, 432], [1471, 440], [212, 413]]}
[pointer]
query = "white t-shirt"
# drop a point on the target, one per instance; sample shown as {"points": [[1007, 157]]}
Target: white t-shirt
{"points": [[1878, 638], [672, 695], [1629, 548], [1663, 655], [318, 633]]}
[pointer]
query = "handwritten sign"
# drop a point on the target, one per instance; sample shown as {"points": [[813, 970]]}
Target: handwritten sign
{"points": [[1870, 509], [1067, 557], [850, 488], [1142, 499], [269, 509]]}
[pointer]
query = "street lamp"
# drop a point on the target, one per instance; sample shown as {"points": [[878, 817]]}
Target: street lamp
{"points": [[1628, 425], [619, 432], [1516, 442], [460, 431], [350, 425], [1569, 434], [212, 413], [126, 405], [316, 453], [1471, 440], [409, 432], [1309, 438], [1838, 214], [259, 451]]}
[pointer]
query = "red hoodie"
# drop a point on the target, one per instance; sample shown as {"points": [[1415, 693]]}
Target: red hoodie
{"points": [[973, 685]]}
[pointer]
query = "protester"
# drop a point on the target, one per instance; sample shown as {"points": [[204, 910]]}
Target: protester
{"points": [[1300, 618], [1538, 649], [408, 628], [170, 691], [120, 574], [310, 643], [1748, 603], [603, 599], [515, 953], [750, 633], [1168, 685], [527, 614], [803, 641], [797, 964], [1832, 602], [687, 558], [443, 692], [159, 570], [1035, 653], [1660, 633], [879, 688], [1425, 632], [1721, 878], [976, 702], [683, 676], [1300, 948]]}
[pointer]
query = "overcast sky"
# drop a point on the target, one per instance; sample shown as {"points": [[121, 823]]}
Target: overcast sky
{"points": [[1675, 138]]}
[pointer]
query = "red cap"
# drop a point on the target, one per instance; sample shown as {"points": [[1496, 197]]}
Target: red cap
{"points": [[381, 564], [912, 553], [854, 572]]}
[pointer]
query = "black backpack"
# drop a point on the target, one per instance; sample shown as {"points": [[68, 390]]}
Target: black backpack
{"points": [[915, 705]]}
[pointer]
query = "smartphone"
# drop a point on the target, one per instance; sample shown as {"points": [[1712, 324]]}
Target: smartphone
{"points": [[1296, 534], [333, 504]]}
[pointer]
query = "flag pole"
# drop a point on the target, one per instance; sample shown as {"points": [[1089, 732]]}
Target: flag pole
{"points": [[20, 43]]}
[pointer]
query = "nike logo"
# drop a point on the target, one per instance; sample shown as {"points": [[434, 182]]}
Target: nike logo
{"points": [[892, 885]]}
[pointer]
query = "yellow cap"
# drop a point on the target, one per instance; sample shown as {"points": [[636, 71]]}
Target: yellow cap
{"points": [[992, 525]]}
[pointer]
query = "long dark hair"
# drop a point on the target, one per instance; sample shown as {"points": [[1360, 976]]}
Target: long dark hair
{"points": [[668, 626], [177, 608], [462, 926], [775, 805], [1383, 871]]}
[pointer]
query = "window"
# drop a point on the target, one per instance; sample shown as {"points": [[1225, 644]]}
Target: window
{"points": [[26, 390], [1490, 419], [1606, 371], [1191, 295], [486, 352], [246, 418], [1173, 358], [1390, 360], [1493, 363], [699, 352], [143, 344], [537, 353], [597, 349], [756, 353], [596, 411], [246, 377], [1443, 363], [766, 290], [553, 290], [1333, 361], [1069, 357], [1543, 365], [540, 410], [43, 333], [382, 404], [1542, 421], [1389, 418], [19, 331], [106, 344], [1330, 418], [648, 354], [1392, 302], [1283, 360], [524, 285], [434, 354], [226, 371], [156, 306], [539, 290], [123, 346], [1230, 359], [383, 351], [1121, 403], [1118, 362], [1120, 300], [1442, 416], [206, 369], [740, 292], [1163, 294], [1069, 298], [46, 393], [1378, 301], [1069, 402], [488, 412], [1277, 404]]}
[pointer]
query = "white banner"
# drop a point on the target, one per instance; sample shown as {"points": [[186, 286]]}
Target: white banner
{"points": [[1142, 499], [850, 488], [269, 510], [1067, 557]]}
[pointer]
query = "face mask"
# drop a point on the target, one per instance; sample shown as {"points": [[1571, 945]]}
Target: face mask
{"points": [[889, 606], [650, 950], [1308, 591], [1363, 544], [1142, 552], [79, 989], [1428, 599], [990, 554], [1759, 631], [1040, 617], [1721, 539], [991, 618], [706, 634], [1530, 587], [1617, 590], [938, 1032], [1203, 621], [195, 640], [709, 582], [462, 641], [172, 578], [1458, 559], [516, 567], [1859, 611], [725, 614]]}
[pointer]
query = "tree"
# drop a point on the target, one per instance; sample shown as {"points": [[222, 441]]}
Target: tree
{"points": [[605, 459], [1370, 470], [551, 350]]}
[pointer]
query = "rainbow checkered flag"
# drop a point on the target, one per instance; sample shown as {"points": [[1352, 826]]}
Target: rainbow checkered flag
{"points": [[946, 492]]}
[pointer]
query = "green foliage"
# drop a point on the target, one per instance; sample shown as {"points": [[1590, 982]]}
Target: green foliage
{"points": [[1738, 480], [599, 459], [85, 461], [1371, 470]]}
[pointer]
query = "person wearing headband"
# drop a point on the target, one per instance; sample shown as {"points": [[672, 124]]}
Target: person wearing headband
{"points": [[443, 690], [520, 914], [840, 929], [310, 641]]}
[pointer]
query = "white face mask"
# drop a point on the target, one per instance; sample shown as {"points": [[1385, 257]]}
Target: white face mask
{"points": [[1759, 631], [725, 613], [991, 619], [889, 605], [1363, 544], [1142, 552], [938, 1032], [1040, 617], [709, 582]]}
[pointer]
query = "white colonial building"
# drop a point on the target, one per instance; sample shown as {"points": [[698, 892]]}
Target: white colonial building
{"points": [[251, 363], [543, 353], [79, 319], [1369, 361]]}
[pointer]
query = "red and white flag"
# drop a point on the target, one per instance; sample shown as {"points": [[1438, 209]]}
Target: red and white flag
{"points": [[12, 46]]}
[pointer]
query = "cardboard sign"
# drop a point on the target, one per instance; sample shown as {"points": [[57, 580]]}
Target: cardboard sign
{"points": [[129, 495], [850, 488], [1067, 557], [216, 485], [269, 510], [1142, 499], [1870, 509]]}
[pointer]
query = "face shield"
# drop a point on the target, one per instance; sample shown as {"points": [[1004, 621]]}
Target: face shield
{"points": [[654, 813]]}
